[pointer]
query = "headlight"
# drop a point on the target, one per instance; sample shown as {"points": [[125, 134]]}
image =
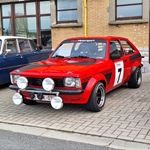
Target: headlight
{"points": [[72, 82], [14, 78], [48, 84], [22, 82]]}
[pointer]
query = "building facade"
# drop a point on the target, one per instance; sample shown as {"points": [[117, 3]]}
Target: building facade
{"points": [[50, 21]]}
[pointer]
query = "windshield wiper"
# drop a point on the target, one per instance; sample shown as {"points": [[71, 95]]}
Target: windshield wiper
{"points": [[80, 56], [59, 56]]}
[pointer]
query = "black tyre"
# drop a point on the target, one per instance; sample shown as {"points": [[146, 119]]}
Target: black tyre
{"points": [[29, 102], [135, 79], [97, 98]]}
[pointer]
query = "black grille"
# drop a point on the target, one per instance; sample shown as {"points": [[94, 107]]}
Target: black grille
{"points": [[38, 82]]}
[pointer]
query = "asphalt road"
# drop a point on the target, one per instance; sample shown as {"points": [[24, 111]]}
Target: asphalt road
{"points": [[17, 141]]}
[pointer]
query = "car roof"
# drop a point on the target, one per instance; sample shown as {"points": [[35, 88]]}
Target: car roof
{"points": [[12, 37], [98, 37]]}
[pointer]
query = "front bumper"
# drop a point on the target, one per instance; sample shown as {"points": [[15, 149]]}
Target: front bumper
{"points": [[41, 90], [39, 94]]}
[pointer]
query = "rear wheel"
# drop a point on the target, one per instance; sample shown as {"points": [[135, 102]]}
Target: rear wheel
{"points": [[135, 79], [97, 98], [29, 102]]}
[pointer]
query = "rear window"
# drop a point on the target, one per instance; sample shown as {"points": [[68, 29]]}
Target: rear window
{"points": [[127, 48]]}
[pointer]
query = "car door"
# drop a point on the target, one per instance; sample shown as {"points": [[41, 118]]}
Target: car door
{"points": [[129, 54], [120, 64], [28, 52], [9, 60], [44, 53]]}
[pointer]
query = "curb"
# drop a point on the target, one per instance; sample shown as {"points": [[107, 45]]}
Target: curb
{"points": [[81, 138]]}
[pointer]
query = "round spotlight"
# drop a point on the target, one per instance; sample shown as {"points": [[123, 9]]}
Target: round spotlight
{"points": [[22, 82], [17, 99], [57, 102], [48, 84]]}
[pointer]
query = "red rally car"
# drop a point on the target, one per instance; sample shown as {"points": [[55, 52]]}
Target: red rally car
{"points": [[80, 70]]}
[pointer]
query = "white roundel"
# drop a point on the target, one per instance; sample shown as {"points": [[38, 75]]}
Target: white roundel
{"points": [[48, 84]]}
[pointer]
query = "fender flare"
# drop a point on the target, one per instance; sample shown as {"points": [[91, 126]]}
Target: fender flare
{"points": [[136, 65], [91, 84]]}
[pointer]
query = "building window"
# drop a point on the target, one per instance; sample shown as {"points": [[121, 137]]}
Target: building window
{"points": [[126, 12], [45, 23], [28, 19], [6, 19], [128, 9], [66, 11]]}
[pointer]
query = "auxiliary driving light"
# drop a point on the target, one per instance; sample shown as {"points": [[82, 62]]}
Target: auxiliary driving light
{"points": [[48, 84], [17, 99], [40, 96], [57, 102]]}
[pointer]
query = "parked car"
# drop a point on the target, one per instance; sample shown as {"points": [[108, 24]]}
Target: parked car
{"points": [[80, 71], [16, 52]]}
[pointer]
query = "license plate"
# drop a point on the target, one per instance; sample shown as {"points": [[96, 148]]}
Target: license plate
{"points": [[45, 97]]}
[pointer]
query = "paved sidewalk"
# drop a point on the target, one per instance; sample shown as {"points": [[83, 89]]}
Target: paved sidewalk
{"points": [[126, 115]]}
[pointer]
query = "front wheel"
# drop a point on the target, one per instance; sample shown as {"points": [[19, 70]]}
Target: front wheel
{"points": [[97, 98], [135, 79]]}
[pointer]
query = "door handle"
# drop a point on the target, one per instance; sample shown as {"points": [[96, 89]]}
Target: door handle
{"points": [[19, 55]]}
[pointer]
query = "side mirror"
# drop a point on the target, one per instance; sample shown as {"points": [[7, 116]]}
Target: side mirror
{"points": [[40, 46], [115, 56]]}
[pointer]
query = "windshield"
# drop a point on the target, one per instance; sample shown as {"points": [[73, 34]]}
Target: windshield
{"points": [[88, 48]]}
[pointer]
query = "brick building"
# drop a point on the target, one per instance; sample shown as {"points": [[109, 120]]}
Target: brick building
{"points": [[50, 21]]}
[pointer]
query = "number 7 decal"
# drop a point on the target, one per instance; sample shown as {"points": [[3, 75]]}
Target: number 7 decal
{"points": [[119, 71]]}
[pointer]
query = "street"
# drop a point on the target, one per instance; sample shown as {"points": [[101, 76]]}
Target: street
{"points": [[19, 141]]}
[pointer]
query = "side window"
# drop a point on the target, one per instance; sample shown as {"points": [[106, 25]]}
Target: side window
{"points": [[127, 48], [33, 45], [24, 45], [115, 48], [11, 45]]}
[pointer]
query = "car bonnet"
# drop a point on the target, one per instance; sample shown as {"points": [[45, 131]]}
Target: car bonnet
{"points": [[53, 67]]}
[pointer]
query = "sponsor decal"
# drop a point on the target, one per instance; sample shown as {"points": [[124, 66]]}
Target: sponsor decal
{"points": [[86, 40]]}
